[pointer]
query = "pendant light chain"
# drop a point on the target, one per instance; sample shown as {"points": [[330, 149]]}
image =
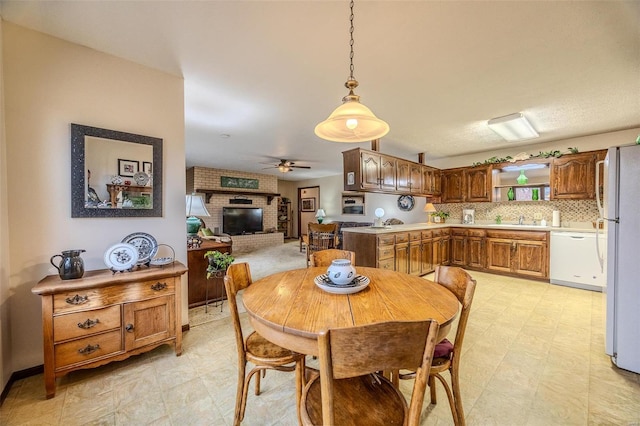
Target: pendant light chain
{"points": [[351, 42]]}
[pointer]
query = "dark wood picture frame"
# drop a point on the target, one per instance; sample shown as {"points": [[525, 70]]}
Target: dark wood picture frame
{"points": [[308, 204]]}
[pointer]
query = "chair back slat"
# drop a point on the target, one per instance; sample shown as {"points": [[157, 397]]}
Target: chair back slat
{"points": [[325, 257]]}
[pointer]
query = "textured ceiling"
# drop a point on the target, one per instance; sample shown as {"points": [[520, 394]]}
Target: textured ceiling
{"points": [[266, 72]]}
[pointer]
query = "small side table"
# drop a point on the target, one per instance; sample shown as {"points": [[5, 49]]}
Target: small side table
{"points": [[217, 301]]}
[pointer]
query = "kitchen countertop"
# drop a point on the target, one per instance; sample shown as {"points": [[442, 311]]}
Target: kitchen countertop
{"points": [[577, 227]]}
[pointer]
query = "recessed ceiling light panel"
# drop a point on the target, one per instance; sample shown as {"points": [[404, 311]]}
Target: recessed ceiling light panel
{"points": [[513, 127]]}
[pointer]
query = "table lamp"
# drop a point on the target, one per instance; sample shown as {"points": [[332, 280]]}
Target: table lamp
{"points": [[320, 214], [195, 207], [429, 208], [379, 214]]}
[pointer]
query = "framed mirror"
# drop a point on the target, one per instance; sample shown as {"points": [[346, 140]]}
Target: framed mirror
{"points": [[115, 174]]}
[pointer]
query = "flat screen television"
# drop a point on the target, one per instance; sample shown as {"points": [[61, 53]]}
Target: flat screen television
{"points": [[241, 220]]}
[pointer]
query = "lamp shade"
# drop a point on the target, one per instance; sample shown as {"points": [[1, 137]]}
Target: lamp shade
{"points": [[320, 213], [513, 127], [352, 122], [194, 207], [429, 208]]}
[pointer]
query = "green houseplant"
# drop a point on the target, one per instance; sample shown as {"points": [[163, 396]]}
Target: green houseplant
{"points": [[440, 216], [218, 262]]}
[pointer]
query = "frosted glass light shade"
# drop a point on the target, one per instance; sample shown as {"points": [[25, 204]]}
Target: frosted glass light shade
{"points": [[352, 122], [513, 127]]}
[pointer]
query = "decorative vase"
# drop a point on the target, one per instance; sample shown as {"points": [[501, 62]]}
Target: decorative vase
{"points": [[522, 179], [510, 195], [71, 265], [534, 194], [341, 271]]}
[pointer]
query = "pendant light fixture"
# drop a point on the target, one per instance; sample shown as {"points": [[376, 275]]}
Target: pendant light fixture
{"points": [[351, 121]]}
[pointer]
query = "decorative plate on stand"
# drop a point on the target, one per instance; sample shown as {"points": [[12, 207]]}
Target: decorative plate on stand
{"points": [[147, 246], [359, 283], [406, 202], [121, 257]]}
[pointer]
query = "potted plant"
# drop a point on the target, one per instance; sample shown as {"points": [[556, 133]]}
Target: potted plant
{"points": [[440, 217], [218, 263]]}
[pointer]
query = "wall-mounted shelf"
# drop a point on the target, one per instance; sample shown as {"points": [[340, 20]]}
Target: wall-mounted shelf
{"points": [[209, 192]]}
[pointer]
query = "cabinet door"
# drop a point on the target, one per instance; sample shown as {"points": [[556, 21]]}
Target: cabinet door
{"points": [[415, 178], [370, 170], [436, 184], [458, 252], [427, 180], [531, 258], [445, 250], [415, 258], [452, 186], [149, 321], [574, 176], [403, 176], [475, 254], [426, 256], [478, 184], [402, 257], [500, 254], [387, 173]]}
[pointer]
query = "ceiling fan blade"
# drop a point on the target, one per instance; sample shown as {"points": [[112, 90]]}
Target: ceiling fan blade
{"points": [[301, 167]]}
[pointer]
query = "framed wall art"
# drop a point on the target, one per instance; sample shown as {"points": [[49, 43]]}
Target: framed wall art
{"points": [[128, 168], [308, 204], [147, 167]]}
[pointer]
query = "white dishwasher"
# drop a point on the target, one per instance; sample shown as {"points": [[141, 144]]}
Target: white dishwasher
{"points": [[574, 261]]}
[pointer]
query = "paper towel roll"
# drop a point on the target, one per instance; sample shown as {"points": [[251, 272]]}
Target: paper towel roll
{"points": [[556, 218]]}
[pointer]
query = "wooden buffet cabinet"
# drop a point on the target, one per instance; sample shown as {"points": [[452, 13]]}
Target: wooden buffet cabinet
{"points": [[521, 253], [198, 281], [104, 317]]}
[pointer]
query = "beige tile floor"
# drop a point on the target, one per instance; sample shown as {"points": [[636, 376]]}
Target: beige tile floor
{"points": [[533, 356]]}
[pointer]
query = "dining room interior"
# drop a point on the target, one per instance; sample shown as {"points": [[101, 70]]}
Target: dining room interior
{"points": [[138, 114]]}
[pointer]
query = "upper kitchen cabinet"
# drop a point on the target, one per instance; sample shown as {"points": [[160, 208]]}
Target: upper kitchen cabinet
{"points": [[369, 170], [453, 189], [477, 183], [408, 177], [431, 181], [573, 177]]}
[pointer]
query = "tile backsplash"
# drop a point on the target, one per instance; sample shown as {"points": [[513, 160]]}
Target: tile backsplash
{"points": [[571, 211]]}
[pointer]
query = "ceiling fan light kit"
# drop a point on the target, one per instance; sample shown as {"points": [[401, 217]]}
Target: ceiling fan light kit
{"points": [[286, 166], [513, 127], [351, 121]]}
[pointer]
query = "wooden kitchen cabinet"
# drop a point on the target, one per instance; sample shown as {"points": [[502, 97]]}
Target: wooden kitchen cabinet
{"points": [[431, 181], [468, 248], [573, 176], [426, 253], [402, 252], [453, 189], [408, 177], [522, 253], [415, 253], [369, 170], [104, 317], [477, 184], [458, 247]]}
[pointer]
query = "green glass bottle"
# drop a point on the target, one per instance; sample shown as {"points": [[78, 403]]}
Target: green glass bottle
{"points": [[510, 195], [534, 195], [522, 179]]}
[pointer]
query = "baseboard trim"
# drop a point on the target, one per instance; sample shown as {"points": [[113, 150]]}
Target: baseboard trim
{"points": [[19, 375]]}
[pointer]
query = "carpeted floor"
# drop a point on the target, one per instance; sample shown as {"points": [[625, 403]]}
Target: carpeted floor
{"points": [[263, 262]]}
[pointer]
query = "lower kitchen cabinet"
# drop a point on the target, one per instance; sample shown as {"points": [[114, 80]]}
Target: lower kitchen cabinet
{"points": [[522, 253], [104, 317]]}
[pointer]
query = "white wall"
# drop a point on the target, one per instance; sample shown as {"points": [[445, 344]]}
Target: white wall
{"points": [[50, 83]]}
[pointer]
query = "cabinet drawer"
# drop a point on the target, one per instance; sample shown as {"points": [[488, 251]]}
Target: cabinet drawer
{"points": [[387, 264], [385, 252], [477, 233], [427, 234], [459, 232], [385, 240], [79, 324], [415, 236], [88, 348], [402, 238], [82, 300]]}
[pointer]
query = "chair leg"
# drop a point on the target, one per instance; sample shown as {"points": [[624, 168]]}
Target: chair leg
{"points": [[240, 400], [457, 398], [257, 390], [300, 383], [432, 389], [247, 382], [452, 405]]}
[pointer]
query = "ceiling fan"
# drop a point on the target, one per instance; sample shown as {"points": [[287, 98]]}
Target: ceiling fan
{"points": [[286, 166]]}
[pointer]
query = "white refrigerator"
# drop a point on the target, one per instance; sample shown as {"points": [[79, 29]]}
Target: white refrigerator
{"points": [[621, 216]]}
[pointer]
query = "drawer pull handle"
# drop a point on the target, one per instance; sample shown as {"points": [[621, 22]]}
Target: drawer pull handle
{"points": [[88, 323], [129, 328], [77, 300], [89, 349], [159, 286]]}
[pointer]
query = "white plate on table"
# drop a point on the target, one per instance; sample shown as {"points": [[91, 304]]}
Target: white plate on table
{"points": [[359, 283]]}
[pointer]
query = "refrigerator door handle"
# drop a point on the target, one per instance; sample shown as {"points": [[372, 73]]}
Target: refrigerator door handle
{"points": [[598, 250], [598, 178]]}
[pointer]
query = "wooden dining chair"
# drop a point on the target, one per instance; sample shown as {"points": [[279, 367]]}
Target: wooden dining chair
{"points": [[321, 236], [446, 354], [348, 390], [255, 348], [325, 257]]}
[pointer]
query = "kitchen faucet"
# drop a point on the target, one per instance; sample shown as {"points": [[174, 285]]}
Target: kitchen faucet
{"points": [[521, 219]]}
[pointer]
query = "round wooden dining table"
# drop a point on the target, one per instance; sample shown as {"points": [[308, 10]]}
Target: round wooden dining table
{"points": [[290, 310]]}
